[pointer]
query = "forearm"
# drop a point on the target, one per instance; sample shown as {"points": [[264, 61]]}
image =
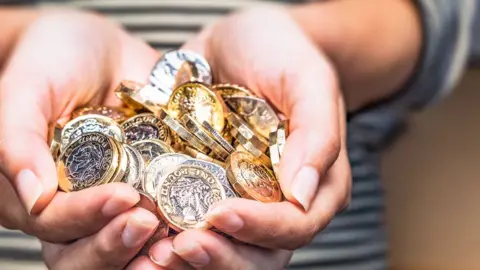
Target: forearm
{"points": [[374, 44], [12, 23]]}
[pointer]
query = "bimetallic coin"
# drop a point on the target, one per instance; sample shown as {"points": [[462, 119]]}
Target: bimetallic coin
{"points": [[217, 171], [282, 134], [227, 90], [88, 161], [123, 165], [199, 101], [158, 168], [152, 148], [251, 179], [182, 132], [164, 74], [264, 159], [256, 112], [219, 138], [89, 124], [136, 167], [139, 96], [199, 155], [185, 196], [246, 136], [118, 114], [194, 127], [188, 72], [146, 126]]}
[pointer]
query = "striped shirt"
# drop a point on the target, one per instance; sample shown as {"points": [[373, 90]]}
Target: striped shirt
{"points": [[355, 239]]}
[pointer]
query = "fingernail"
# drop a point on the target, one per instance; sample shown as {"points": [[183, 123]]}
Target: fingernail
{"points": [[305, 186], [225, 219], [123, 199], [139, 228], [193, 253], [29, 188], [162, 258]]}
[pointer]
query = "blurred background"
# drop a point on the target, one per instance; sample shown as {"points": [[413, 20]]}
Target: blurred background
{"points": [[431, 173]]}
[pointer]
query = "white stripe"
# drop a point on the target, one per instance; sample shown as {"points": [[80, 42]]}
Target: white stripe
{"points": [[164, 37], [127, 4], [171, 19]]}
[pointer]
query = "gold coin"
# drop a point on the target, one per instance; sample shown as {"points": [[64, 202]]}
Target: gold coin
{"points": [[118, 114], [181, 131], [90, 160], [227, 90], [123, 165], [146, 126], [256, 112], [185, 195], [246, 136], [199, 155], [282, 134], [91, 123], [199, 101], [251, 179], [151, 148], [194, 127], [219, 138], [263, 158], [188, 72], [141, 96]]}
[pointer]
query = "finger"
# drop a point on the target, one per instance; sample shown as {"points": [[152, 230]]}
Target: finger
{"points": [[208, 250], [74, 215], [162, 254], [111, 248], [284, 225], [38, 88], [143, 263]]}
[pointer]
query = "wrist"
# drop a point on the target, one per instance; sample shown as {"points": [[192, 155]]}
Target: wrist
{"points": [[374, 51]]}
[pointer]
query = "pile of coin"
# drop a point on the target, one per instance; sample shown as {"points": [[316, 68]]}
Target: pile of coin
{"points": [[181, 141]]}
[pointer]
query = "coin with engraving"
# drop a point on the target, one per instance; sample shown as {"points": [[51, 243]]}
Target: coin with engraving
{"points": [[152, 148], [141, 96], [262, 157], [218, 137], [146, 126], [136, 167], [199, 101], [88, 161], [256, 112], [282, 134], [241, 131], [158, 168], [199, 155], [188, 72], [227, 90], [89, 124], [123, 165], [217, 171], [185, 196], [251, 179], [118, 114], [181, 131], [274, 154], [164, 74], [196, 129]]}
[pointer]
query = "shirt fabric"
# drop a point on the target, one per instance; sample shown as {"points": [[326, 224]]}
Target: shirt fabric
{"points": [[356, 238]]}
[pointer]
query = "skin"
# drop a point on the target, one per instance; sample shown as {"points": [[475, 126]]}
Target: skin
{"points": [[302, 83]]}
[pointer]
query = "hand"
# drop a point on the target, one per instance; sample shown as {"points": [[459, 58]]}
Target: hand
{"points": [[64, 60], [267, 52]]}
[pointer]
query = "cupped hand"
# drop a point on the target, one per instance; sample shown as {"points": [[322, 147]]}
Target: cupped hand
{"points": [[265, 50], [63, 60]]}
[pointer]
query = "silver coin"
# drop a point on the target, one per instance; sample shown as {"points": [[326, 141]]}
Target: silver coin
{"points": [[136, 167], [163, 75], [217, 171], [158, 168], [256, 112], [91, 124]]}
